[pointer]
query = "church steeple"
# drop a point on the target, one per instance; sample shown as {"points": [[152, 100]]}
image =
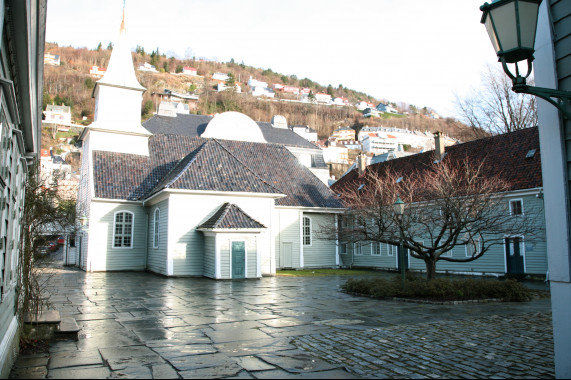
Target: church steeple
{"points": [[120, 71], [118, 97]]}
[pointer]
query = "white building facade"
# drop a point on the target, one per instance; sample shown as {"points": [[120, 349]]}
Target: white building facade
{"points": [[226, 204]]}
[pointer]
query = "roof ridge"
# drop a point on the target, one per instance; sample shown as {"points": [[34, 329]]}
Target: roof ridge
{"points": [[174, 168], [226, 208], [246, 166]]}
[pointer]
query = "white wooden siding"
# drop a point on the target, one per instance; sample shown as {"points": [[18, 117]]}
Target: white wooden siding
{"points": [[102, 255], [157, 257], [321, 253], [188, 211], [210, 256], [225, 259], [252, 259], [289, 227]]}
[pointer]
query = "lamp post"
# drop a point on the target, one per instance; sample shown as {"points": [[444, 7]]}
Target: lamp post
{"points": [[511, 26], [399, 212]]}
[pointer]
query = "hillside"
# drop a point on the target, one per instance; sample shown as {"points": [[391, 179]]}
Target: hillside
{"points": [[71, 84]]}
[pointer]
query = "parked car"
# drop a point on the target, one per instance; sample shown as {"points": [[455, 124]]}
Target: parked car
{"points": [[52, 246], [61, 240]]}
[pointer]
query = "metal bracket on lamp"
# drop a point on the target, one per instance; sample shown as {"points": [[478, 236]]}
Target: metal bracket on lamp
{"points": [[547, 94]]}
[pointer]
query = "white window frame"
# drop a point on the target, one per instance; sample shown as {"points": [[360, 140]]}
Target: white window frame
{"points": [[358, 249], [478, 248], [306, 236], [377, 251], [123, 235], [392, 250], [520, 200], [156, 228]]}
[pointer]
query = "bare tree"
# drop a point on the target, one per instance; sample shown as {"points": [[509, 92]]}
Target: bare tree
{"points": [[496, 108], [448, 204], [46, 213]]}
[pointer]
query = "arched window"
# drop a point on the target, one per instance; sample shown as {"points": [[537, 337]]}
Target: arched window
{"points": [[123, 229], [306, 231], [156, 235]]}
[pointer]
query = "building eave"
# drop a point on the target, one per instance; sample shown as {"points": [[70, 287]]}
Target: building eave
{"points": [[211, 192]]}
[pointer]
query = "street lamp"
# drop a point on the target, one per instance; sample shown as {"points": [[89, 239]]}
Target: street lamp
{"points": [[511, 26], [398, 207], [83, 221]]}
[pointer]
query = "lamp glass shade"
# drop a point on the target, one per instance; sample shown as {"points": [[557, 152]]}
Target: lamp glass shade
{"points": [[511, 26], [399, 207]]}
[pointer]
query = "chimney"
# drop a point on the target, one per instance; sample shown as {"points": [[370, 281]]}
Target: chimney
{"points": [[438, 145], [361, 163]]}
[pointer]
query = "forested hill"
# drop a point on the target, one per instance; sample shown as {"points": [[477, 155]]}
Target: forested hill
{"points": [[71, 84]]}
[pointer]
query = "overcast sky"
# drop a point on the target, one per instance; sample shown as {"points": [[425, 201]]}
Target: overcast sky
{"points": [[421, 52]]}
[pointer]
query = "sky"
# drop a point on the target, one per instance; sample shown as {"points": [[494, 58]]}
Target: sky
{"points": [[421, 52]]}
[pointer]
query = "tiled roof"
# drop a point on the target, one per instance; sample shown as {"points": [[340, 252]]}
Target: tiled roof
{"points": [[183, 162], [504, 156], [212, 167], [195, 125], [230, 216]]}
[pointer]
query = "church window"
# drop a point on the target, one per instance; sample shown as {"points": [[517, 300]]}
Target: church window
{"points": [[123, 230], [156, 235], [306, 231]]}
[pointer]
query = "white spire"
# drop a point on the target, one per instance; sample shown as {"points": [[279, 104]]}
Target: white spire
{"points": [[120, 71], [118, 95]]}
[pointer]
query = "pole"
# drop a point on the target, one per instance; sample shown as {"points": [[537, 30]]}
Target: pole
{"points": [[401, 258]]}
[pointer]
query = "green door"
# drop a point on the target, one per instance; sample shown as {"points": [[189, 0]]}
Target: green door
{"points": [[238, 259], [514, 255]]}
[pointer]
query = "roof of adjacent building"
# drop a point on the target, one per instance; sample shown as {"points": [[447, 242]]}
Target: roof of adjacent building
{"points": [[195, 163], [230, 216], [514, 157], [195, 125], [56, 108]]}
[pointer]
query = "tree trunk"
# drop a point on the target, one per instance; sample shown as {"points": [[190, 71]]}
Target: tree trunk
{"points": [[430, 269]]}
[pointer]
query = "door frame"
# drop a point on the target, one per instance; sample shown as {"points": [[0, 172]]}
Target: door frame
{"points": [[290, 255], [245, 241], [522, 251]]}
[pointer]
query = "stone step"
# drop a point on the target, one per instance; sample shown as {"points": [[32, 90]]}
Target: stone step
{"points": [[67, 325], [43, 317], [67, 329], [49, 323]]}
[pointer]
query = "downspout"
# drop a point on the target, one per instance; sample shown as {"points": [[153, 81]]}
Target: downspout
{"points": [[147, 238]]}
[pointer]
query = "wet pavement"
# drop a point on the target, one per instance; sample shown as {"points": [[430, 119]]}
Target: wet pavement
{"points": [[141, 325]]}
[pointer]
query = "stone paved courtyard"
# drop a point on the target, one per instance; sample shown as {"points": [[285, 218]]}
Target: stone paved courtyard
{"points": [[140, 325]]}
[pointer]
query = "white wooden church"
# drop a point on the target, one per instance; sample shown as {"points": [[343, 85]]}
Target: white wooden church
{"points": [[225, 204]]}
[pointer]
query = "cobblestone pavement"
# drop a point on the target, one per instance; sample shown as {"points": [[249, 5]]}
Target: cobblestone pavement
{"points": [[140, 325], [516, 346]]}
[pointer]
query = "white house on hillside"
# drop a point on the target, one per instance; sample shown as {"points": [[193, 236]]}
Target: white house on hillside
{"points": [[220, 76], [189, 71], [57, 114], [323, 98], [148, 67]]}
